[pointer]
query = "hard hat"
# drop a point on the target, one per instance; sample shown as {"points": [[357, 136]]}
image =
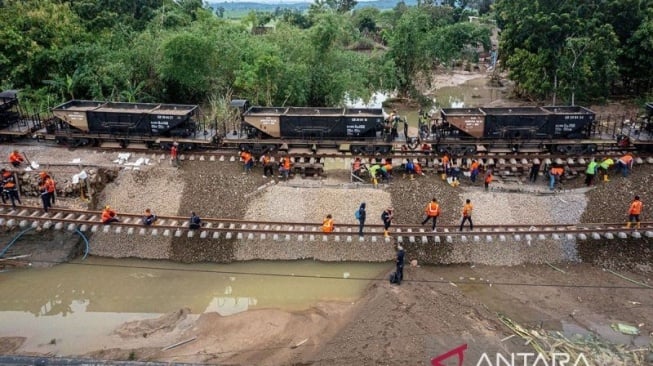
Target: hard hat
{"points": [[43, 174], [107, 207]]}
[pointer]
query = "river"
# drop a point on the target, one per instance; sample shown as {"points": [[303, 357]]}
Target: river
{"points": [[78, 305]]}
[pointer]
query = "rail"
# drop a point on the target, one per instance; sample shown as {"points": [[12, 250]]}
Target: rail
{"points": [[85, 221]]}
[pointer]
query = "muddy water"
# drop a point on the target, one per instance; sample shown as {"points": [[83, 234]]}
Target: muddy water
{"points": [[473, 93], [78, 305]]}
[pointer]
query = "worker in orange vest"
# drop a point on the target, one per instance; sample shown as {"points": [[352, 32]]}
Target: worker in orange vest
{"points": [[555, 173], [16, 159], [432, 212], [625, 164], [467, 215], [174, 154], [108, 215], [284, 167], [9, 188], [46, 188], [445, 166], [488, 179], [266, 161], [634, 212], [248, 160], [327, 224], [473, 170]]}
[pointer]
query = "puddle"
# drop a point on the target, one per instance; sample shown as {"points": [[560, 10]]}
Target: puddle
{"points": [[81, 303], [604, 332]]}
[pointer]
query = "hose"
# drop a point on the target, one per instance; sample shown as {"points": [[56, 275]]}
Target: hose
{"points": [[2, 253], [88, 247]]}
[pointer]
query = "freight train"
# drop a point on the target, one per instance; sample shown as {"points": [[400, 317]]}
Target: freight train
{"points": [[556, 129], [458, 131]]}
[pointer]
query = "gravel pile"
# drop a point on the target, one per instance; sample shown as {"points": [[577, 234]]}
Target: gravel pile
{"points": [[133, 191]]}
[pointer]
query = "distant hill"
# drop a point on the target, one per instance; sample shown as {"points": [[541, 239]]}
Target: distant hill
{"points": [[272, 5]]}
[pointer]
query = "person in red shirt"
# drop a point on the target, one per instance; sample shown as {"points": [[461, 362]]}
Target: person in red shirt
{"points": [[634, 212]]}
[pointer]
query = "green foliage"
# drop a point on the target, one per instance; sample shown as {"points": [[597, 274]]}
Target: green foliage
{"points": [[581, 49], [426, 35]]}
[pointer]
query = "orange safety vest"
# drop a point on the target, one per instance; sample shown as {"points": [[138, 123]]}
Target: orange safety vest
{"points": [[635, 208], [626, 159], [388, 167], [266, 160], [49, 184], [107, 214], [445, 160], [286, 163], [327, 225], [432, 209], [467, 209], [418, 169], [557, 171], [15, 158], [245, 156], [9, 183], [474, 166], [488, 178]]}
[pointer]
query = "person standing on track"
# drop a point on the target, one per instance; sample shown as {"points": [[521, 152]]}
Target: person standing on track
{"points": [[361, 214], [387, 217], [467, 215], [46, 186], [634, 212], [9, 187], [432, 212]]}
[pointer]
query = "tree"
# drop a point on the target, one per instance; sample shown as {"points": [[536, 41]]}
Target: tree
{"points": [[187, 64], [408, 47], [342, 6], [569, 47]]}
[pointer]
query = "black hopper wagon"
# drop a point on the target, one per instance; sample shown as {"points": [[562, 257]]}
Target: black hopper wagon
{"points": [[558, 129], [84, 122], [355, 130]]}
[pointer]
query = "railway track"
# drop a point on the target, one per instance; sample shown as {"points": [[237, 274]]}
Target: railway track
{"points": [[31, 217]]}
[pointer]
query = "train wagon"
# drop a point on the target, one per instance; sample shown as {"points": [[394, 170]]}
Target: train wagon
{"points": [[357, 130], [557, 128], [8, 108], [81, 122]]}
